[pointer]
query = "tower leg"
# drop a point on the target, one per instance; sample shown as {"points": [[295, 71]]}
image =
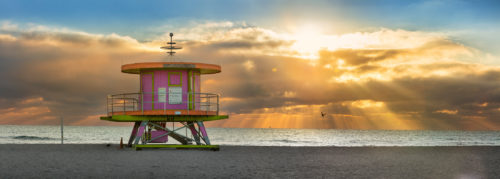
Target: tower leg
{"points": [[140, 132], [134, 132], [203, 132], [194, 132]]}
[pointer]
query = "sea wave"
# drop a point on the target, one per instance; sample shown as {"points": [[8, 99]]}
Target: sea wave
{"points": [[289, 141], [26, 137], [283, 141]]}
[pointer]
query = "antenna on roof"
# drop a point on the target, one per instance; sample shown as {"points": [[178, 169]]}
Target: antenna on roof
{"points": [[170, 46]]}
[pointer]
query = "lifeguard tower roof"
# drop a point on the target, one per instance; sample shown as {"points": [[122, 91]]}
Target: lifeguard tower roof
{"points": [[203, 68]]}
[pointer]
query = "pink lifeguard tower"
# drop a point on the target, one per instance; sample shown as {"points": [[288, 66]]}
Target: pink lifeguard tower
{"points": [[170, 92]]}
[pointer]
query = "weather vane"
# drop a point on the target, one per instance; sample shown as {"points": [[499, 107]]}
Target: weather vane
{"points": [[170, 46]]}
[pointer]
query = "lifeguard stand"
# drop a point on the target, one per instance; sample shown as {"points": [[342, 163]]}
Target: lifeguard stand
{"points": [[170, 92]]}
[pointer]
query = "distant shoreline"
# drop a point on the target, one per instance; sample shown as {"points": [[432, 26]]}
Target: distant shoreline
{"points": [[101, 161]]}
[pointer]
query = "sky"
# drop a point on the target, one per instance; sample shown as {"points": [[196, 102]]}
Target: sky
{"points": [[383, 65]]}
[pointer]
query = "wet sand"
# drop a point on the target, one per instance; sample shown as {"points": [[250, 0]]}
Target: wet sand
{"points": [[101, 161]]}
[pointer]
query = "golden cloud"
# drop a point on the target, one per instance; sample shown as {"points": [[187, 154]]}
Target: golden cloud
{"points": [[385, 79]]}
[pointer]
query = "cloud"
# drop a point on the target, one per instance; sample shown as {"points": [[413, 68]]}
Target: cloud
{"points": [[234, 39], [357, 57], [8, 26], [26, 111], [71, 71], [446, 111], [411, 84], [386, 79]]}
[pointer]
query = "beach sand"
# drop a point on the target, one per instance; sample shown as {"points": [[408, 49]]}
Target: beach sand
{"points": [[101, 161]]}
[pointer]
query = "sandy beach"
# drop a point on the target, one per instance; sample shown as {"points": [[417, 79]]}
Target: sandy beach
{"points": [[101, 161]]}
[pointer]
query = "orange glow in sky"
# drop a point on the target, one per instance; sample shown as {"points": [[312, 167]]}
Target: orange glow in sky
{"points": [[413, 68]]}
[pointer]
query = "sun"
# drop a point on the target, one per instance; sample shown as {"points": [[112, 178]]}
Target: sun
{"points": [[309, 39]]}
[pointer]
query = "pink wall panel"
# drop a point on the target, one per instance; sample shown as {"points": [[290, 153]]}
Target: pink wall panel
{"points": [[162, 139], [161, 81], [175, 78], [146, 80]]}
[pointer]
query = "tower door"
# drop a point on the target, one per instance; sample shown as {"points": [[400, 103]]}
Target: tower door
{"points": [[147, 91]]}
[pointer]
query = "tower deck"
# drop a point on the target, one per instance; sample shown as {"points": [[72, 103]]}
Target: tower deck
{"points": [[130, 107]]}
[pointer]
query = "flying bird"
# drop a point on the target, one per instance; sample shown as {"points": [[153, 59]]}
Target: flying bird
{"points": [[323, 114]]}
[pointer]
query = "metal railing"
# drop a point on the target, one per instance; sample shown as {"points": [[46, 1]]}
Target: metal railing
{"points": [[208, 102]]}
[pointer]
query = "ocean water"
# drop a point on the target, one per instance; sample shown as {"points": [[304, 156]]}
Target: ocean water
{"points": [[14, 134]]}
